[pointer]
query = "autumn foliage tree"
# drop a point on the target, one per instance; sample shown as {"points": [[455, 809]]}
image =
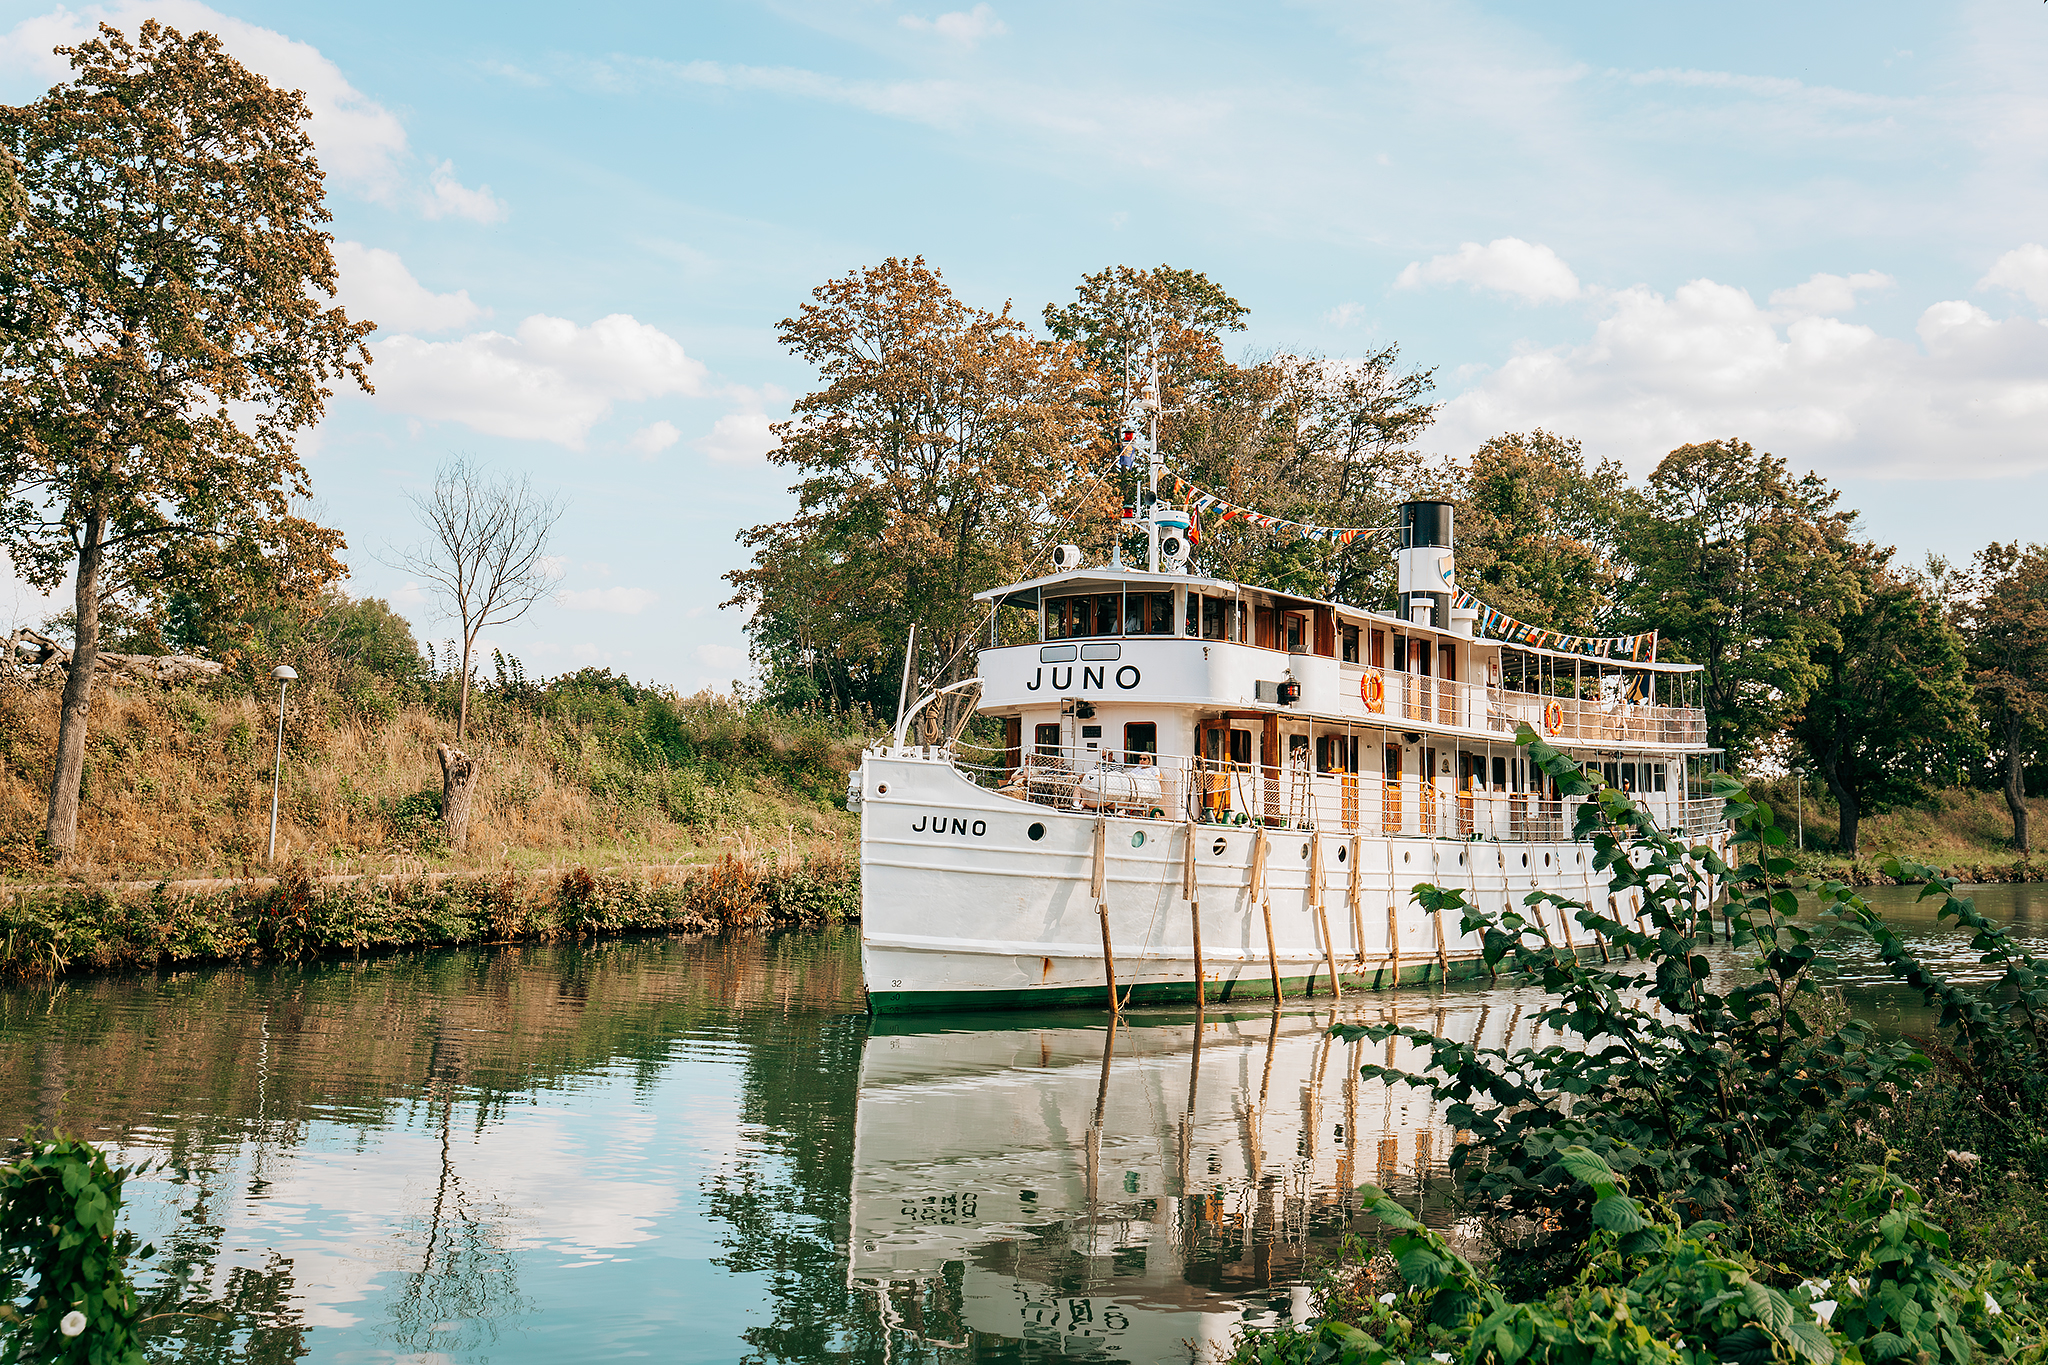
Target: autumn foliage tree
{"points": [[172, 332], [1320, 439], [944, 453]]}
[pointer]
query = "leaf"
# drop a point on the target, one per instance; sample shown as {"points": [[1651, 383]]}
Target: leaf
{"points": [[1619, 1214]]}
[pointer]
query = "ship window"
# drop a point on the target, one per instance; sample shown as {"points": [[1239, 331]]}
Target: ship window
{"points": [[1337, 754], [1134, 613], [1162, 614], [1107, 610], [1215, 618], [1140, 737], [1447, 661], [1500, 774], [1046, 739], [1400, 653], [1241, 748], [1295, 634], [1628, 778], [1350, 634], [1656, 777], [1194, 621]]}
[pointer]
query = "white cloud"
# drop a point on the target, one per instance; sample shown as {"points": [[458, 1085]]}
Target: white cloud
{"points": [[375, 285], [652, 440], [1344, 314], [620, 601], [1507, 265], [737, 437], [551, 381], [2024, 270], [450, 198], [1826, 295], [361, 144], [966, 27], [1707, 362]]}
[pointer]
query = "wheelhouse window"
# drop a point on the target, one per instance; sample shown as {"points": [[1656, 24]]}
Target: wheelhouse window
{"points": [[1216, 618], [1294, 632], [1349, 636]]}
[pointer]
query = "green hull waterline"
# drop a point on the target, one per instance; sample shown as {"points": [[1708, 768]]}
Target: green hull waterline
{"points": [[1428, 972]]}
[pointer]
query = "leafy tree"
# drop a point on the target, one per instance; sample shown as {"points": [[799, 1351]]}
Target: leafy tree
{"points": [[2007, 630], [1893, 699], [1124, 321], [1538, 530], [171, 336], [1323, 440], [947, 450], [1744, 570]]}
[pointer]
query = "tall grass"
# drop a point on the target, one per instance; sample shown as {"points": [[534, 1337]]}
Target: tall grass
{"points": [[586, 769]]}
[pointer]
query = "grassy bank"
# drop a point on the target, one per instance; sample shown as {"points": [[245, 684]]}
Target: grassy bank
{"points": [[587, 769], [54, 931], [1965, 832]]}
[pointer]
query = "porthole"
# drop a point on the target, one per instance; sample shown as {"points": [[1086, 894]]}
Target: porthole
{"points": [[1343, 852], [1304, 852], [1525, 860], [1461, 860], [1037, 831], [1137, 838], [1219, 846], [1546, 860], [881, 789], [1404, 857]]}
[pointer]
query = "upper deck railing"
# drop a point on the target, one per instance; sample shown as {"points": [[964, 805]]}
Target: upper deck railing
{"points": [[1293, 796], [1475, 706]]}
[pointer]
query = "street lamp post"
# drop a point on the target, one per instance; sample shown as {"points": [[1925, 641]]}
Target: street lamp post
{"points": [[284, 673]]}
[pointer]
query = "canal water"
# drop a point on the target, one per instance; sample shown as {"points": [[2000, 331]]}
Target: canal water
{"points": [[704, 1151]]}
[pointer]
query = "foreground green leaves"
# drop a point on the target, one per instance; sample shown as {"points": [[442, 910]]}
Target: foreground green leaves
{"points": [[1664, 1292], [60, 1253], [1616, 1170]]}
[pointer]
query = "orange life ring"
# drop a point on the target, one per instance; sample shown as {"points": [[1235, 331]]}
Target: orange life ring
{"points": [[1373, 689], [1553, 717]]}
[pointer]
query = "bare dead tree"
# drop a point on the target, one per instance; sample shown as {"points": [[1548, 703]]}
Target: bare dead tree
{"points": [[485, 558]]}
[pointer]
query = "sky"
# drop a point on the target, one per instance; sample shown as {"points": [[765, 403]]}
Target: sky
{"points": [[1821, 228]]}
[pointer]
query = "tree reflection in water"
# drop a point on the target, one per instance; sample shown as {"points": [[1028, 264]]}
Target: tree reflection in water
{"points": [[400, 1157]]}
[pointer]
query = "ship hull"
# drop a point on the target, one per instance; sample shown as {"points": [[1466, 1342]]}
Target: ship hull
{"points": [[976, 900]]}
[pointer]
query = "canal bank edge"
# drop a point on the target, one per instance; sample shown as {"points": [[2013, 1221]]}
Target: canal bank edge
{"points": [[50, 932]]}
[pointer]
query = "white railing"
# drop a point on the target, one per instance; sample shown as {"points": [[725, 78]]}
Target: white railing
{"points": [[1171, 787], [1570, 718]]}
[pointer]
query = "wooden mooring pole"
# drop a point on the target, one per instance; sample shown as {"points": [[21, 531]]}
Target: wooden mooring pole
{"points": [[1193, 894], [1098, 886], [1315, 882], [1259, 853]]}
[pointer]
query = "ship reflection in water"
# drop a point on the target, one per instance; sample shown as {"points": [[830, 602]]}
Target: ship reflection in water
{"points": [[1135, 1193], [703, 1152]]}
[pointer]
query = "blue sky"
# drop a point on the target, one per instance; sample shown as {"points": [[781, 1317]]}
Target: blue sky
{"points": [[1820, 227]]}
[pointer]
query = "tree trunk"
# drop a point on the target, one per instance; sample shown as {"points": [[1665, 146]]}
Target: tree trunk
{"points": [[459, 773], [462, 706], [61, 830], [1852, 817], [2016, 794]]}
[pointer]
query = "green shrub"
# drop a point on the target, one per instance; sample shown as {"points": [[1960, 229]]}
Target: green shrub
{"points": [[60, 1253]]}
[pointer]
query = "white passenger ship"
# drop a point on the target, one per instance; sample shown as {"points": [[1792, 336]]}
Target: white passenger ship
{"points": [[1211, 787]]}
